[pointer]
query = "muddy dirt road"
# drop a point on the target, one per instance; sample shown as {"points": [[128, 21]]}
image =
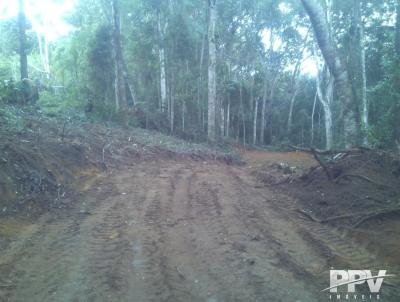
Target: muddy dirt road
{"points": [[174, 231]]}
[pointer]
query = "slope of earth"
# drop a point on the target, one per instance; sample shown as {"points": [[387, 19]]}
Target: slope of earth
{"points": [[43, 161], [361, 201], [178, 230]]}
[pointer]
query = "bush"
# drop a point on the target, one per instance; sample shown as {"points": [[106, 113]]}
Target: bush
{"points": [[21, 92], [8, 91]]}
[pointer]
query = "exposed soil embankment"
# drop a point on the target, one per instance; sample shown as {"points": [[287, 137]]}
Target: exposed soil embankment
{"points": [[361, 197], [351, 189], [43, 165]]}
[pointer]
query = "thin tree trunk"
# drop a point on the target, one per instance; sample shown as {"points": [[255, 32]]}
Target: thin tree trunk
{"points": [[312, 118], [332, 59], [44, 53], [290, 118], [161, 53], [294, 85], [397, 36], [128, 81], [46, 56], [172, 103], [242, 112], [325, 96], [120, 88], [270, 104], [255, 121], [263, 114], [22, 41], [183, 117], [365, 111], [212, 89], [200, 81], [228, 114]]}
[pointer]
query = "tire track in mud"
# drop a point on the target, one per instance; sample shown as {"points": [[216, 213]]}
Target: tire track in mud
{"points": [[179, 231], [340, 250], [264, 251], [48, 264], [152, 240], [354, 256], [239, 269], [67, 259], [107, 249]]}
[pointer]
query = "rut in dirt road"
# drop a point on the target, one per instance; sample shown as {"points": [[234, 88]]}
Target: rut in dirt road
{"points": [[169, 231]]}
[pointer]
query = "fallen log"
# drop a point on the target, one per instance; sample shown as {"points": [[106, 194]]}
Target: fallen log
{"points": [[329, 152]]}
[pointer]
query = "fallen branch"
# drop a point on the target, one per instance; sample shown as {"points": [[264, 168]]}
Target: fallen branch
{"points": [[321, 163], [329, 219], [366, 217], [375, 215], [329, 152], [361, 177]]}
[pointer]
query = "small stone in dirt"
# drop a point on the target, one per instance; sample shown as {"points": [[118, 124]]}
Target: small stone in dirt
{"points": [[251, 261], [114, 235], [256, 238]]}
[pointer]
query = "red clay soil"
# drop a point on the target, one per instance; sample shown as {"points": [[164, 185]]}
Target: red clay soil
{"points": [[178, 229]]}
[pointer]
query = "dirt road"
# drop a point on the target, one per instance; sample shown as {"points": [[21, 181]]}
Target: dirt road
{"points": [[173, 231]]}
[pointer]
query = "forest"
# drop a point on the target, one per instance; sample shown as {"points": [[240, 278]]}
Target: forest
{"points": [[310, 73], [199, 150]]}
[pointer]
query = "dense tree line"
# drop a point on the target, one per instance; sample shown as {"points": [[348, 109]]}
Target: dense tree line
{"points": [[225, 70]]}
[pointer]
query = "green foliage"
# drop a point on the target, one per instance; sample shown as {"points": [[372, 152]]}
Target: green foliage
{"points": [[21, 92], [8, 91], [10, 117], [385, 108], [101, 70], [63, 105], [258, 45]]}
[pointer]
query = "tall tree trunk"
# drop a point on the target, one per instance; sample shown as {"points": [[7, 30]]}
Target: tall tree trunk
{"points": [[212, 83], [128, 81], [200, 80], [263, 114], [397, 37], [172, 104], [228, 116], [365, 109], [255, 121], [44, 53], [325, 84], [161, 54], [120, 88], [22, 41], [332, 59], [312, 118], [357, 66], [242, 113], [291, 108], [294, 84]]}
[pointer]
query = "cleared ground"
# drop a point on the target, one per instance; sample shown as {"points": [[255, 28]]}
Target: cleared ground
{"points": [[170, 230]]}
